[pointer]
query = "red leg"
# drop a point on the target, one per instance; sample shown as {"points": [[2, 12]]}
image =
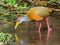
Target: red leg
{"points": [[39, 30], [49, 29]]}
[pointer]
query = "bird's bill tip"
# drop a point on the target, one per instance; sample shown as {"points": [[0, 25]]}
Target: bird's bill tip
{"points": [[16, 25]]}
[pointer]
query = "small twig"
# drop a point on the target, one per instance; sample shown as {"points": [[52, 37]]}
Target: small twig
{"points": [[55, 9]]}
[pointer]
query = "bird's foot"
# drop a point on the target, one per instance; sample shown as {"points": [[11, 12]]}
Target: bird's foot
{"points": [[49, 29]]}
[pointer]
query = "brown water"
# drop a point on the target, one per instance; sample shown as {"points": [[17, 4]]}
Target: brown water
{"points": [[29, 34]]}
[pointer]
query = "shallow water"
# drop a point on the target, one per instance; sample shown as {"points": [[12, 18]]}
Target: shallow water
{"points": [[29, 33]]}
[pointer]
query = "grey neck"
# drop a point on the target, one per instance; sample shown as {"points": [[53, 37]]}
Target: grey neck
{"points": [[26, 18]]}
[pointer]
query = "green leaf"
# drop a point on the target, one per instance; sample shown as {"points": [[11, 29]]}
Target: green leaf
{"points": [[52, 1], [11, 2], [5, 37]]}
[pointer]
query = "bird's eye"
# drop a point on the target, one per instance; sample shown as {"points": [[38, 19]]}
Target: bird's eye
{"points": [[19, 18]]}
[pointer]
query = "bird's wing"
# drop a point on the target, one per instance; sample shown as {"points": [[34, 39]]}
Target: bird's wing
{"points": [[33, 14], [42, 11]]}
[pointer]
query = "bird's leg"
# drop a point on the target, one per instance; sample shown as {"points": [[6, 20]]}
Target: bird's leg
{"points": [[49, 29], [39, 30]]}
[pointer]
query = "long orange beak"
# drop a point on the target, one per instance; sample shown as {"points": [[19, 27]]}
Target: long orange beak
{"points": [[16, 25]]}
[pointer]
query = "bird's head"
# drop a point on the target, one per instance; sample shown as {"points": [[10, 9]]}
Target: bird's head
{"points": [[21, 19]]}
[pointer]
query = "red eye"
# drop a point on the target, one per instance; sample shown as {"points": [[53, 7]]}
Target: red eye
{"points": [[19, 18]]}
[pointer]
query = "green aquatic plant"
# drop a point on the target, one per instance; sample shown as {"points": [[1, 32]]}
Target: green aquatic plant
{"points": [[5, 37], [11, 2]]}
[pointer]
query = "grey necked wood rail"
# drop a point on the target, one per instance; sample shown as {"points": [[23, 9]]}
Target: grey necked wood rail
{"points": [[36, 14]]}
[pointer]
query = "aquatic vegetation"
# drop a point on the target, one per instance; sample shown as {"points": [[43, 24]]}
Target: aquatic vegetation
{"points": [[11, 2], [5, 37]]}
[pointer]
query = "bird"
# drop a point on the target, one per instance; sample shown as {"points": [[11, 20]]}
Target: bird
{"points": [[36, 14]]}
